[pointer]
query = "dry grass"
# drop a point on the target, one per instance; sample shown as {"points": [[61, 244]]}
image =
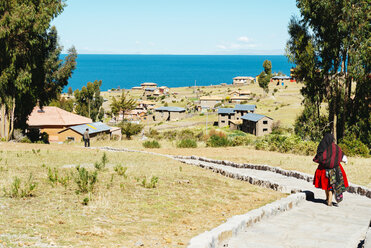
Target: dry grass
{"points": [[358, 169], [187, 201]]}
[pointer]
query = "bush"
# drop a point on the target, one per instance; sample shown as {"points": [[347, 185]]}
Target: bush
{"points": [[217, 141], [151, 184], [170, 135], [153, 134], [85, 180], [102, 164], [186, 134], [187, 143], [151, 144], [120, 170], [17, 191], [130, 129], [352, 146]]}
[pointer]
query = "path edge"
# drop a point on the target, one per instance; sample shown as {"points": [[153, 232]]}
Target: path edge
{"points": [[238, 223]]}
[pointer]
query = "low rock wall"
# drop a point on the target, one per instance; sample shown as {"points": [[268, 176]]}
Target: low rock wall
{"points": [[238, 223], [353, 188]]}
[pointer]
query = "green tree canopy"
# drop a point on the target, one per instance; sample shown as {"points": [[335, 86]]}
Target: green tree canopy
{"points": [[330, 45], [124, 104], [30, 67], [88, 100], [265, 76]]}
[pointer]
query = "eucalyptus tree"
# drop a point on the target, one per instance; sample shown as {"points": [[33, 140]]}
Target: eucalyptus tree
{"points": [[123, 104], [31, 70], [89, 101], [265, 76], [330, 45]]}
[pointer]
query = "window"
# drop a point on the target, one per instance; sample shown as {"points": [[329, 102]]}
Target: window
{"points": [[223, 121], [265, 129], [265, 122], [70, 138]]}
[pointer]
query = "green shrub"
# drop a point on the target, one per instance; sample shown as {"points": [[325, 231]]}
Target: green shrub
{"points": [[153, 134], [151, 144], [19, 191], [186, 134], [85, 180], [151, 184], [130, 129], [170, 135], [120, 170], [217, 141], [352, 146], [238, 141], [187, 143], [102, 164]]}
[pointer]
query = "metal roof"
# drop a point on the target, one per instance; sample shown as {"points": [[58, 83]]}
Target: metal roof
{"points": [[150, 89], [244, 107], [253, 117], [280, 77], [226, 111], [95, 127], [170, 109]]}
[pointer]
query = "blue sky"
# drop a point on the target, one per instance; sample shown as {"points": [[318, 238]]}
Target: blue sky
{"points": [[176, 26]]}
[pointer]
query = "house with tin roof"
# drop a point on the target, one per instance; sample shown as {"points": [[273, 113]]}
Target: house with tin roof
{"points": [[169, 113], [52, 120], [209, 102], [75, 133], [256, 124], [242, 80], [226, 115]]}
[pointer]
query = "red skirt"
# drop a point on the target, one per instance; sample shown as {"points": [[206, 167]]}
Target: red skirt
{"points": [[321, 181]]}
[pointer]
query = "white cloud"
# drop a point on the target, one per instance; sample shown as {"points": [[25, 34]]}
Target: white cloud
{"points": [[244, 39], [242, 43]]}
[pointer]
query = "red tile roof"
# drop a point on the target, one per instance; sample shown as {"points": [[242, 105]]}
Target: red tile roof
{"points": [[54, 116]]}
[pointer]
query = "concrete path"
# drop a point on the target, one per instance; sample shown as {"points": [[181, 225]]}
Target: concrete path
{"points": [[312, 224]]}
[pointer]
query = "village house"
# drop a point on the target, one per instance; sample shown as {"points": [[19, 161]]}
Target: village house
{"points": [[151, 92], [147, 105], [169, 114], [256, 124], [281, 79], [209, 102], [52, 120], [242, 80], [226, 115], [238, 99], [148, 85], [164, 90], [137, 88], [75, 133]]}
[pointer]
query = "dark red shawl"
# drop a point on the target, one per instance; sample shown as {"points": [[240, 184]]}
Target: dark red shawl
{"points": [[329, 155]]}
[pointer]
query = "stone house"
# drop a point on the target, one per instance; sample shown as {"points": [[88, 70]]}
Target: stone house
{"points": [[151, 92], [148, 85], [169, 114], [164, 90], [225, 115], [256, 124], [209, 102], [242, 80]]}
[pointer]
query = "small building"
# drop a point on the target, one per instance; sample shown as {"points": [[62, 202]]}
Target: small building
{"points": [[169, 113], [242, 109], [209, 102], [75, 133], [148, 85], [256, 124], [242, 80], [280, 79], [52, 120], [239, 99], [224, 116], [151, 92], [164, 90], [137, 88], [148, 105]]}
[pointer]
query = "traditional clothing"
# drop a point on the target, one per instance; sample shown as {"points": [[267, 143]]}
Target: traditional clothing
{"points": [[330, 175]]}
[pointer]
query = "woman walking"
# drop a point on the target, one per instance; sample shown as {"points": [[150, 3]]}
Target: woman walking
{"points": [[330, 175]]}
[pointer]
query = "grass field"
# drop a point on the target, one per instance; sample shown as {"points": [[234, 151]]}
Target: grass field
{"points": [[186, 201], [358, 169]]}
